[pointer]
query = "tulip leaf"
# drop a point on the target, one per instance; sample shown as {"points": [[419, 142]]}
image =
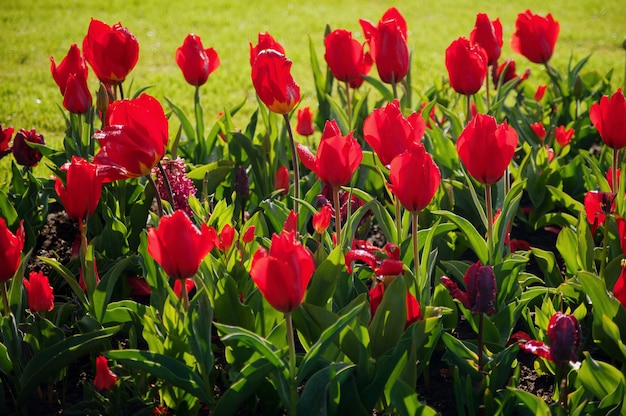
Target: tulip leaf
{"points": [[58, 356], [567, 245], [443, 150], [321, 393], [382, 215], [104, 291], [124, 311], [256, 159], [405, 400], [461, 354], [388, 323], [476, 241], [384, 91], [566, 200], [171, 371], [502, 225], [599, 378], [324, 280], [338, 114], [323, 86], [69, 278], [198, 328], [535, 405], [215, 173], [187, 126], [6, 364]]}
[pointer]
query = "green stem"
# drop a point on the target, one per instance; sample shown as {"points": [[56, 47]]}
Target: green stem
{"points": [[168, 185], [292, 365], [487, 90], [398, 207], [419, 288], [5, 299], [489, 217], [184, 294], [393, 85], [563, 387], [156, 195], [119, 86], [605, 241], [349, 106], [296, 168], [468, 105], [480, 342], [337, 214]]}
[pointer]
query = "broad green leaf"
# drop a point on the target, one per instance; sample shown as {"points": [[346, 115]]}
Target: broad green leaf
{"points": [[244, 386], [405, 400], [104, 290], [388, 323], [477, 242], [198, 328], [534, 404], [321, 391], [322, 284], [567, 245], [599, 378]]}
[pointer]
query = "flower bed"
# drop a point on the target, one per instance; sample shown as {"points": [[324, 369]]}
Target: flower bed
{"points": [[468, 239]]}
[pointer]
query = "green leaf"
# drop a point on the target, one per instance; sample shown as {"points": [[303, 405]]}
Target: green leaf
{"points": [[388, 323], [69, 278], [384, 91], [534, 405], [324, 280], [567, 244], [243, 387], [6, 364], [599, 378], [405, 400], [215, 173], [477, 242], [102, 294], [320, 394], [171, 371], [187, 126], [198, 327]]}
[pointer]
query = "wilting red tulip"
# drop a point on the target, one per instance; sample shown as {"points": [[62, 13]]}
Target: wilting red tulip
{"points": [[413, 310], [383, 267], [77, 98], [597, 206], [265, 41], [609, 117], [467, 66], [480, 286], [305, 127], [321, 219], [337, 157], [564, 337], [82, 189], [539, 130], [388, 45], [134, 139], [414, 178], [488, 35], [345, 56], [72, 64], [11, 246], [196, 62], [5, 138], [178, 287], [535, 36], [486, 148], [105, 378], [281, 180], [112, 51], [563, 136], [272, 80], [23, 153], [40, 297], [389, 133], [178, 246], [282, 275]]}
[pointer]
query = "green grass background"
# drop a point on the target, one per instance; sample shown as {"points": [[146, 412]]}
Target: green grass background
{"points": [[34, 30]]}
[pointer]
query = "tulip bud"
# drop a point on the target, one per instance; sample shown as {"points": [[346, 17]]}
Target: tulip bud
{"points": [[105, 378], [23, 153], [102, 99], [40, 297], [564, 335], [242, 187]]}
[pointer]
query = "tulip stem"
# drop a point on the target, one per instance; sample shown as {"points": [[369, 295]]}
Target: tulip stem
{"points": [[489, 207], [184, 294], [419, 288], [337, 207], [468, 110], [563, 387], [156, 195], [396, 203], [480, 342], [292, 365], [604, 248], [393, 85], [294, 161], [5, 300], [168, 185], [349, 106], [487, 91]]}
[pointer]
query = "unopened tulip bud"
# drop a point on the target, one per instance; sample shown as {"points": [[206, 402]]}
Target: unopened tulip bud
{"points": [[242, 187], [102, 99], [564, 336]]}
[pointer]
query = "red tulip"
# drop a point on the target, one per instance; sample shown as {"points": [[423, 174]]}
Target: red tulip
{"points": [[82, 189], [337, 157], [564, 336], [196, 62], [597, 206], [539, 130], [388, 45], [389, 133], [390, 265], [467, 66], [563, 136], [105, 378], [5, 138], [282, 275], [23, 153], [225, 239], [414, 178], [345, 56], [535, 36], [609, 117], [178, 287], [305, 125], [506, 72], [480, 286], [248, 235], [40, 297], [112, 51], [134, 139], [281, 180], [541, 91], [265, 41], [321, 219], [11, 246], [488, 35], [619, 290], [486, 148], [77, 98], [72, 64], [272, 80], [178, 246]]}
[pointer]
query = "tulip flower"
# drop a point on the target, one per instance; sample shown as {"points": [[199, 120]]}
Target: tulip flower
{"points": [[481, 289], [597, 206], [506, 72], [283, 273], [535, 36], [248, 235], [112, 51], [488, 35], [178, 287], [83, 186], [414, 178], [272, 80], [539, 130], [345, 56], [242, 186], [105, 378], [134, 139], [321, 219], [77, 98], [72, 64], [609, 118], [385, 268], [467, 66], [23, 153], [281, 180], [388, 45], [178, 246], [5, 138], [619, 290], [265, 41], [337, 157], [224, 241], [389, 133], [564, 339], [196, 62], [486, 148], [305, 125], [541, 91], [563, 135], [11, 246], [40, 297]]}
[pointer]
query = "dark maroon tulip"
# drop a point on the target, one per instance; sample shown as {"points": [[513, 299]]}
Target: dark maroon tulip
{"points": [[481, 289], [23, 153], [564, 337]]}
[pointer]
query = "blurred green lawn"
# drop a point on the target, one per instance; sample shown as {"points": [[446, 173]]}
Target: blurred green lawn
{"points": [[34, 30]]}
